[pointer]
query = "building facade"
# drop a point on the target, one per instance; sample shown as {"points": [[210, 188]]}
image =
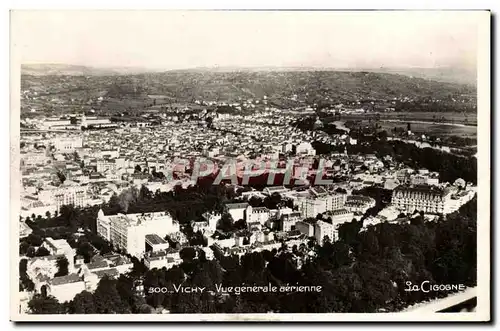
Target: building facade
{"points": [[322, 229], [426, 198], [128, 232]]}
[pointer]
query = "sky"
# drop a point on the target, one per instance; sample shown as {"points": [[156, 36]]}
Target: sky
{"points": [[190, 39]]}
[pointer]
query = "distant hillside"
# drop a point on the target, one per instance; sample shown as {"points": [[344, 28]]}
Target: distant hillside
{"points": [[47, 69], [440, 74], [284, 89], [445, 74], [305, 84]]}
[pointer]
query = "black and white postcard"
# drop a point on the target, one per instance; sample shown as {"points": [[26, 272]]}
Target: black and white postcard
{"points": [[250, 165]]}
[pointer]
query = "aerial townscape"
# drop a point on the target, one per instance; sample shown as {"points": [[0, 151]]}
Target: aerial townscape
{"points": [[250, 191]]}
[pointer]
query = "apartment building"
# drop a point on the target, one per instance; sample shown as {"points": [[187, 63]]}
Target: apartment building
{"points": [[426, 198], [128, 232], [64, 195], [318, 201]]}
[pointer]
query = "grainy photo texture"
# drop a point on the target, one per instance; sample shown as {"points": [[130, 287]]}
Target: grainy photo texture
{"points": [[250, 165]]}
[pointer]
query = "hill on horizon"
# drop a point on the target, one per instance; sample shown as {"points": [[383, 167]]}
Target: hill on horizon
{"points": [[283, 89], [440, 74], [59, 69]]}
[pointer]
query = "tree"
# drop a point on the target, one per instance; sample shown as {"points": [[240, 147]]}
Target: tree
{"points": [[61, 176], [145, 194], [187, 254], [62, 265], [69, 214], [83, 303], [34, 240], [348, 231], [23, 247], [44, 305], [226, 223], [42, 251], [23, 266], [240, 224], [107, 299], [31, 251], [311, 242]]}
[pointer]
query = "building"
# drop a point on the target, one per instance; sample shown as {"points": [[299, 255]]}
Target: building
{"points": [[418, 179], [24, 230], [306, 228], [65, 288], [274, 189], [50, 123], [212, 219], [305, 148], [74, 195], [340, 216], [34, 158], [317, 200], [106, 164], [257, 215], [335, 201], [236, 210], [164, 258], [67, 144], [359, 203], [60, 247], [40, 269], [426, 198], [208, 224], [155, 243], [322, 229], [288, 221], [311, 207], [128, 232], [64, 195]]}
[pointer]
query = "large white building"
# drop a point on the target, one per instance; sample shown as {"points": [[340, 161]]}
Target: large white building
{"points": [[64, 195], [129, 231], [426, 198], [67, 144], [317, 201]]}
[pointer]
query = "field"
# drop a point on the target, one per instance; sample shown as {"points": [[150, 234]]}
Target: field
{"points": [[442, 117], [435, 129], [446, 125]]}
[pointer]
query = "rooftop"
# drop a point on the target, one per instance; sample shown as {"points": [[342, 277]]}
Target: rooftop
{"points": [[71, 278], [154, 239]]}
